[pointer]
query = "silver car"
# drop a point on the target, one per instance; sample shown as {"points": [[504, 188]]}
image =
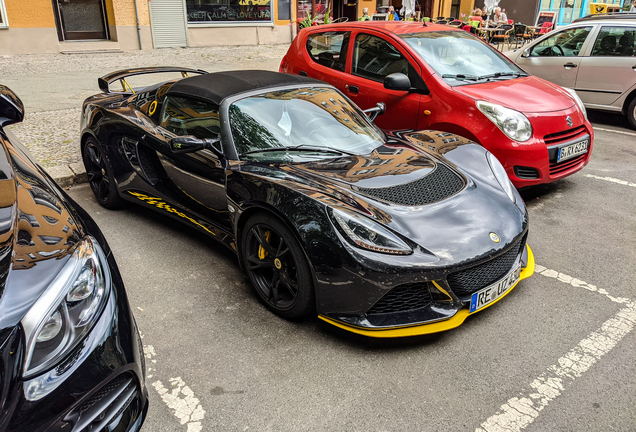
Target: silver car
{"points": [[594, 56]]}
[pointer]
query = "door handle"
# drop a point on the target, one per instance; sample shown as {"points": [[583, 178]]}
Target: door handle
{"points": [[569, 65], [353, 89], [634, 67], [302, 73]]}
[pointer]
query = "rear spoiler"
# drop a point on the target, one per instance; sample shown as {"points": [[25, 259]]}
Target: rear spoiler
{"points": [[105, 81]]}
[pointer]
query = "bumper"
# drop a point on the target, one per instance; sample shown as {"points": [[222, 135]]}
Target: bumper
{"points": [[434, 326], [535, 162], [100, 386]]}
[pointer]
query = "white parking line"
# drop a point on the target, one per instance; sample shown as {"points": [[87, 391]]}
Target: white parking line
{"points": [[520, 411], [576, 283], [611, 179], [181, 399], [614, 130]]}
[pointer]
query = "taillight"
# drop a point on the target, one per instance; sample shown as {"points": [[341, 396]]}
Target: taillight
{"points": [[284, 64]]}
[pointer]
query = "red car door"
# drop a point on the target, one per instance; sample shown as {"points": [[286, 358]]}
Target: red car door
{"points": [[373, 56], [323, 56]]}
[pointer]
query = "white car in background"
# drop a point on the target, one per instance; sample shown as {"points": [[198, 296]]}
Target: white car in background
{"points": [[594, 55]]}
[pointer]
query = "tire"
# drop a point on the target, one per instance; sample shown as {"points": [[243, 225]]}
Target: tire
{"points": [[631, 113], [100, 175], [277, 267]]}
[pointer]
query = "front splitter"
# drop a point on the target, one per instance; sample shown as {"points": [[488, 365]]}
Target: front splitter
{"points": [[431, 327]]}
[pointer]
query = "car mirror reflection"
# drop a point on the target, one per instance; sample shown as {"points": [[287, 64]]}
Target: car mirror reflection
{"points": [[377, 110]]}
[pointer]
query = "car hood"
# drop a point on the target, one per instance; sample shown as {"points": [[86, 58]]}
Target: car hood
{"points": [[387, 185], [37, 234], [526, 94]]}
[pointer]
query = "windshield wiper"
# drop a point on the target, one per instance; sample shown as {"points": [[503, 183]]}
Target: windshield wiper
{"points": [[302, 147], [502, 74], [461, 77]]}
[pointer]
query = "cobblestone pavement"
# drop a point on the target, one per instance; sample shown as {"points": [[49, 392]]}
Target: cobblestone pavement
{"points": [[53, 86]]}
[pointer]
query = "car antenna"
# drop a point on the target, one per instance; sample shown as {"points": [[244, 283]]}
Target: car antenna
{"points": [[424, 23]]}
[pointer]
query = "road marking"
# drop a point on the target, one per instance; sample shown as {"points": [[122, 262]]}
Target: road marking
{"points": [[520, 411], [576, 283], [187, 407], [615, 131], [611, 179], [181, 400]]}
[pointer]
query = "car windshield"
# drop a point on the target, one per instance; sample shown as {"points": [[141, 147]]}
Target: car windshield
{"points": [[300, 123], [460, 58]]}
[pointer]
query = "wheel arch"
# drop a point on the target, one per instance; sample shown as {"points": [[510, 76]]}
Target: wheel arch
{"points": [[262, 207], [628, 100]]}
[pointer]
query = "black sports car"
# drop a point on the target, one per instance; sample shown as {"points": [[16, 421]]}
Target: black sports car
{"points": [[383, 235], [70, 354]]}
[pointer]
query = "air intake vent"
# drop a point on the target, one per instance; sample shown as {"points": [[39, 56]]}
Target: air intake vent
{"points": [[403, 298], [436, 186], [527, 173], [468, 281]]}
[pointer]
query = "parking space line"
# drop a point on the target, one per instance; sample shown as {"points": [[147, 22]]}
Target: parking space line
{"points": [[520, 411], [576, 283], [611, 179], [614, 130], [181, 399]]}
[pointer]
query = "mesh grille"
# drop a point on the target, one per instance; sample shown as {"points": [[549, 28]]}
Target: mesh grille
{"points": [[106, 390], [403, 298], [468, 281], [436, 186]]}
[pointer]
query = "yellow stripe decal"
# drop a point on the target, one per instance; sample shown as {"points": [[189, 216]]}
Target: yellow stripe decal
{"points": [[434, 327]]}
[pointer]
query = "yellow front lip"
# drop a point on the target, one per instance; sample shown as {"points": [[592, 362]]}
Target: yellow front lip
{"points": [[434, 327]]}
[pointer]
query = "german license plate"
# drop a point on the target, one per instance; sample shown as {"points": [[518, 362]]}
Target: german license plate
{"points": [[491, 293], [573, 150]]}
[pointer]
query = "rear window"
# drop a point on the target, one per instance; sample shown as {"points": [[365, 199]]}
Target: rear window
{"points": [[329, 49]]}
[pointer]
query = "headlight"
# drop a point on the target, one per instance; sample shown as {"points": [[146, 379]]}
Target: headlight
{"points": [[577, 99], [67, 310], [369, 235], [514, 124], [501, 175]]}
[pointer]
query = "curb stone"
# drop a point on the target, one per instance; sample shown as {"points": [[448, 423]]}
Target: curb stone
{"points": [[67, 175]]}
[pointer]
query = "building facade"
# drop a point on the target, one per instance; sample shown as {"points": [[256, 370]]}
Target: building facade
{"points": [[53, 26]]}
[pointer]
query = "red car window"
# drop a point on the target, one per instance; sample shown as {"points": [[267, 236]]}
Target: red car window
{"points": [[329, 48]]}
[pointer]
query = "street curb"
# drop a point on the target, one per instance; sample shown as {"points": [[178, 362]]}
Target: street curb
{"points": [[68, 175]]}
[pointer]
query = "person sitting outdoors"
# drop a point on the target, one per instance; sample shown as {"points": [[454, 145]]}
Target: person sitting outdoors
{"points": [[499, 17], [365, 15], [393, 16]]}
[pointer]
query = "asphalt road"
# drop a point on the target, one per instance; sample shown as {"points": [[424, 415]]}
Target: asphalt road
{"points": [[557, 354]]}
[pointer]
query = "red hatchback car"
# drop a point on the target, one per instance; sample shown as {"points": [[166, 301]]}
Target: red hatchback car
{"points": [[437, 77]]}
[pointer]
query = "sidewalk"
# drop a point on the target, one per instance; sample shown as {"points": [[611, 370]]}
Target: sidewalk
{"points": [[53, 87]]}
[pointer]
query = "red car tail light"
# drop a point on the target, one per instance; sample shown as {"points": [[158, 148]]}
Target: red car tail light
{"points": [[284, 64]]}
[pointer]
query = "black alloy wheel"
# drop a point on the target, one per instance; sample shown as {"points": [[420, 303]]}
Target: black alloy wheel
{"points": [[277, 267], [100, 175], [631, 113]]}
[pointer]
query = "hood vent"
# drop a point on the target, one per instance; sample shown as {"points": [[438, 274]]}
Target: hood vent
{"points": [[436, 186]]}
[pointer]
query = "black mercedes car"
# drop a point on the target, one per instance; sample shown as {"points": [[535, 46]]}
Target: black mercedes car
{"points": [[384, 235], [70, 354]]}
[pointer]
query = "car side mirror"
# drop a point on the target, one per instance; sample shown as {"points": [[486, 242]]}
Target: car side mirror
{"points": [[11, 107], [374, 112], [397, 81], [526, 53], [190, 144]]}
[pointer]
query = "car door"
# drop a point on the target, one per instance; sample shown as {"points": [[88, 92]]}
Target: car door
{"points": [[373, 57], [196, 181], [558, 57], [610, 69], [325, 55]]}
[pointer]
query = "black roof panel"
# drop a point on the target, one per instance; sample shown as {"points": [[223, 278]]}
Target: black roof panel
{"points": [[217, 86]]}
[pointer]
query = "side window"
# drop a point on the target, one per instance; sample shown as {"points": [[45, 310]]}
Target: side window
{"points": [[374, 58], [329, 48], [615, 41], [567, 43], [185, 116]]}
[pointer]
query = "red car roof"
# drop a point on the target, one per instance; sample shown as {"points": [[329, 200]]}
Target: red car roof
{"points": [[397, 27]]}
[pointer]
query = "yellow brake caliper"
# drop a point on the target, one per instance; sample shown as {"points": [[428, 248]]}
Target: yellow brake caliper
{"points": [[261, 250]]}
